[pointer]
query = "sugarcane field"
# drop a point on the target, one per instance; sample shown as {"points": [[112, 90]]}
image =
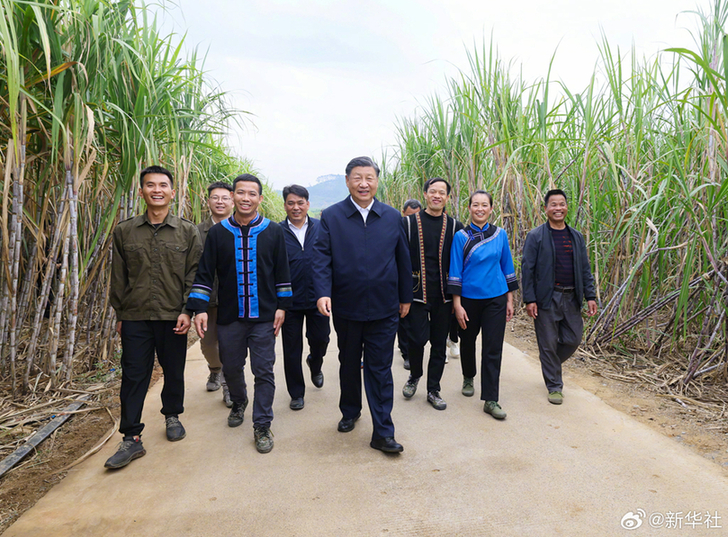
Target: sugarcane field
{"points": [[99, 96]]}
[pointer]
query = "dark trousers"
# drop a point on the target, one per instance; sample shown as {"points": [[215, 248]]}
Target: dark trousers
{"points": [[139, 341], [235, 339], [403, 336], [558, 332], [488, 315], [428, 322], [317, 334], [375, 339], [454, 328]]}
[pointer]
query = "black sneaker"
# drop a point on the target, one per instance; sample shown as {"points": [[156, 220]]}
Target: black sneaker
{"points": [[263, 438], [436, 401], [237, 414], [128, 450], [175, 431]]}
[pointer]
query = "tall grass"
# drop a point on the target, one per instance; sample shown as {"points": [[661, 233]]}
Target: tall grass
{"points": [[91, 93], [641, 152]]}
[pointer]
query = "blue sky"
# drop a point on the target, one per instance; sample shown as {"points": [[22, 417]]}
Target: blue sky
{"points": [[326, 80]]}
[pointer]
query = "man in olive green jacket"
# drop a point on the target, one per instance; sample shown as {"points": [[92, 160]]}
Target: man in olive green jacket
{"points": [[220, 203], [154, 262]]}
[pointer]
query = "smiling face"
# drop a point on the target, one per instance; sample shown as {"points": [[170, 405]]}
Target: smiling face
{"points": [[556, 210], [480, 209], [362, 183], [246, 198], [156, 190], [296, 209], [220, 203], [436, 197]]}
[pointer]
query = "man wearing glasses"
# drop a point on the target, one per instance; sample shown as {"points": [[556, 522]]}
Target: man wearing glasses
{"points": [[220, 202]]}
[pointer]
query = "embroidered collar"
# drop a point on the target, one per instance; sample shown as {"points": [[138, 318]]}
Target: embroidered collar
{"points": [[253, 223]]}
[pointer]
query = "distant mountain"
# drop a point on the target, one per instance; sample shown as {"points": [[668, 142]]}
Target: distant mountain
{"points": [[328, 190]]}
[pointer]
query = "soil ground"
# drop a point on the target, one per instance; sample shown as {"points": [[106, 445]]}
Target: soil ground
{"points": [[21, 488]]}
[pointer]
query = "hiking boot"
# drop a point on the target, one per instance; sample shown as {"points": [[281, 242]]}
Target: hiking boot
{"points": [[410, 387], [128, 450], [556, 398], [494, 409], [406, 364], [237, 414], [263, 438], [175, 431], [436, 401], [453, 348], [226, 396], [468, 390], [213, 381]]}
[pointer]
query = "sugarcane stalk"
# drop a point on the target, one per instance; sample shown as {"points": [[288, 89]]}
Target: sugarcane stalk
{"points": [[58, 299], [50, 271], [17, 222]]}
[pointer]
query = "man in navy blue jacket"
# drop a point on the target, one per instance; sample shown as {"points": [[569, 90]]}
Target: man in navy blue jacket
{"points": [[364, 277], [300, 232]]}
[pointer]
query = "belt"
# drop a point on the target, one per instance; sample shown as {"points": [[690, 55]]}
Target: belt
{"points": [[565, 290]]}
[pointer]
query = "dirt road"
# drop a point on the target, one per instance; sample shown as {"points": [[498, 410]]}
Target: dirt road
{"points": [[575, 470]]}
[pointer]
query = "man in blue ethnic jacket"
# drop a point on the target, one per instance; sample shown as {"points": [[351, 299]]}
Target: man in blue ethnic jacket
{"points": [[301, 231], [364, 277], [248, 254]]}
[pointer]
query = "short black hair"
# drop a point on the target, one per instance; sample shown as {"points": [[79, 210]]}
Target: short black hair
{"points": [[156, 169], [554, 192], [436, 180], [490, 198], [219, 184], [296, 190], [361, 161], [412, 204], [248, 178]]}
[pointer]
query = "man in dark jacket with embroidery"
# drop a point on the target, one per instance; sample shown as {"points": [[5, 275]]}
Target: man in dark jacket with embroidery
{"points": [[556, 278], [247, 252], [300, 231], [430, 233], [363, 275]]}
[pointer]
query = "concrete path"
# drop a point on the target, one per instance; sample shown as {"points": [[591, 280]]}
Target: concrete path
{"points": [[573, 470]]}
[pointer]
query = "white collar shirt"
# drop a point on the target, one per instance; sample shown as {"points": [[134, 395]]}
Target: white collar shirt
{"points": [[299, 233], [363, 211]]}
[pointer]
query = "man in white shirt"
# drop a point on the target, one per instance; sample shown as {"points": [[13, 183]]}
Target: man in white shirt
{"points": [[300, 232]]}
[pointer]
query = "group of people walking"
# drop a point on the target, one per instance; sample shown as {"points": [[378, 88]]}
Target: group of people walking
{"points": [[424, 277]]}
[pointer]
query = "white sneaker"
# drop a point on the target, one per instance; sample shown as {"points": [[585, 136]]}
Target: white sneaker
{"points": [[453, 349]]}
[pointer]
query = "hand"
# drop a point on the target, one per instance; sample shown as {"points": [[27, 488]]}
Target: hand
{"points": [[324, 305], [404, 310], [183, 324], [278, 320], [509, 310], [462, 316], [592, 307], [118, 327], [532, 310], [201, 324]]}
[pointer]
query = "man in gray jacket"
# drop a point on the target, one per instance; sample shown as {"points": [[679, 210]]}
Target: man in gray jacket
{"points": [[556, 278]]}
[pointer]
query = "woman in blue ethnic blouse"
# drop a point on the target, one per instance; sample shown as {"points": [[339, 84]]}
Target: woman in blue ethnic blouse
{"points": [[482, 280]]}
